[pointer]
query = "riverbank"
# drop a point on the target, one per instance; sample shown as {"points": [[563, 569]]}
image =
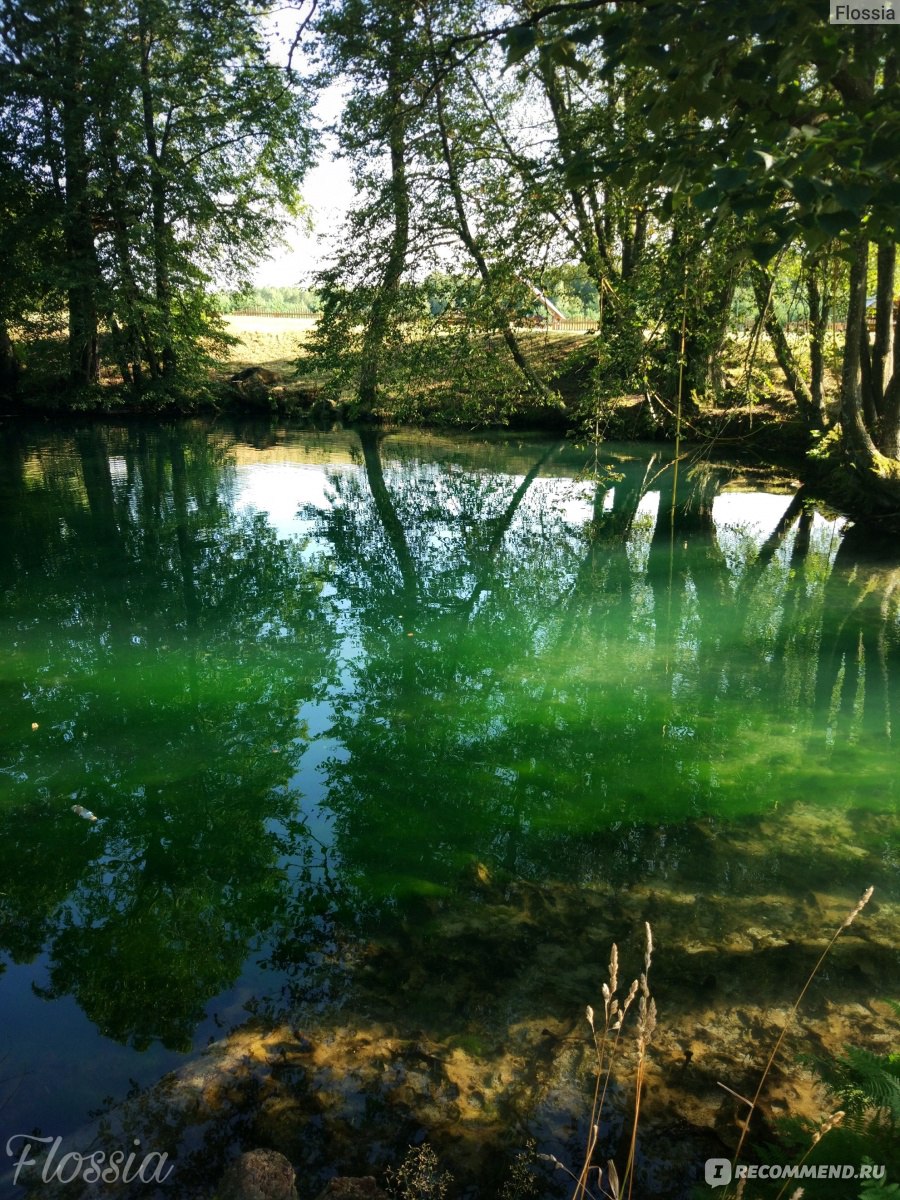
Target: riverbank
{"points": [[264, 365], [265, 369]]}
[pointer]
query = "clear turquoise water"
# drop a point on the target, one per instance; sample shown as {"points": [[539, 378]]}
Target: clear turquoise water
{"points": [[309, 683]]}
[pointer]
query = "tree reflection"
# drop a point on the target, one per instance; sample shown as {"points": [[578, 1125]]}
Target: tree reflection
{"points": [[571, 696], [163, 645], [587, 681], [857, 684]]}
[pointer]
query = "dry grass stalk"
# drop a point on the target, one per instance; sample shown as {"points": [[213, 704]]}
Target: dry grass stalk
{"points": [[732, 1092], [606, 1046], [646, 1024], [833, 1121], [845, 924]]}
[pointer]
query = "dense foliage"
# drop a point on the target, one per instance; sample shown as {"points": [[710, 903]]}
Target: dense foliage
{"points": [[148, 149], [271, 299], [697, 170]]}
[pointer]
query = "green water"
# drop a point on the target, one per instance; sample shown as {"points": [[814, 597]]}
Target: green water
{"points": [[318, 688]]}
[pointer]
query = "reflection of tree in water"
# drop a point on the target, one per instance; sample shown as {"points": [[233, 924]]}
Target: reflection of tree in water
{"points": [[858, 686], [164, 645], [594, 723], [601, 716], [571, 700], [582, 700]]}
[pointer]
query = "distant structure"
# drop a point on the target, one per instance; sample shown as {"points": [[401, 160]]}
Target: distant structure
{"points": [[551, 308]]}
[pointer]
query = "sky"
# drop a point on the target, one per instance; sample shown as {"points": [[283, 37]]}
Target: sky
{"points": [[327, 189]]}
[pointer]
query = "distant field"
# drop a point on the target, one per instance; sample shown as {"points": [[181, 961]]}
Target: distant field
{"points": [[272, 342]]}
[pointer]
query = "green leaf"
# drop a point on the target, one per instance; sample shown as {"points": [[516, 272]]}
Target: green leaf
{"points": [[854, 197], [519, 42], [764, 252], [580, 169], [768, 159], [804, 191], [709, 200], [729, 178], [836, 223]]}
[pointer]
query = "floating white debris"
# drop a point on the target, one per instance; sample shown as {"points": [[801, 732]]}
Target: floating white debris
{"points": [[80, 811]]}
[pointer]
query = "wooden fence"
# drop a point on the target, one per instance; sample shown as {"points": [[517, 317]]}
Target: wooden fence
{"points": [[575, 325], [305, 314]]}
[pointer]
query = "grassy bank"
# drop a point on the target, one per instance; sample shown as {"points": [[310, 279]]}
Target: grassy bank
{"points": [[265, 364]]}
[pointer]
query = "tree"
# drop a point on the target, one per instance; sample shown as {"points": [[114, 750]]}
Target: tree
{"points": [[374, 47], [45, 62], [174, 146], [423, 169], [790, 125]]}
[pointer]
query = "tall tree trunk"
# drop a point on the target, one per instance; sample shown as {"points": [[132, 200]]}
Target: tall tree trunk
{"points": [[633, 242], [593, 246], [883, 349], [818, 324], [388, 290], [857, 438], [471, 244], [889, 425], [84, 272], [135, 340], [158, 200], [762, 290], [9, 364]]}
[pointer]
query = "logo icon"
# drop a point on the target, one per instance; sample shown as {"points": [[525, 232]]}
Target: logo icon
{"points": [[717, 1172]]}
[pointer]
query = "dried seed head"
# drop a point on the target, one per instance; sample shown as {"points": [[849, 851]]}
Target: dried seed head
{"points": [[614, 967], [632, 992], [589, 1013], [832, 1121], [796, 1194], [863, 901]]}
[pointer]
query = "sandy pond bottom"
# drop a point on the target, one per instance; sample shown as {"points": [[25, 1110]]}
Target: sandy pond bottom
{"points": [[465, 1028]]}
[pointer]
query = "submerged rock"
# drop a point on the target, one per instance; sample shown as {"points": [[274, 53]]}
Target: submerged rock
{"points": [[258, 1175]]}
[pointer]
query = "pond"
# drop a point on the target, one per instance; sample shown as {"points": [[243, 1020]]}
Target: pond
{"points": [[353, 753]]}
